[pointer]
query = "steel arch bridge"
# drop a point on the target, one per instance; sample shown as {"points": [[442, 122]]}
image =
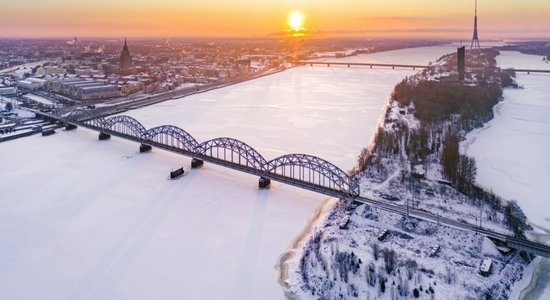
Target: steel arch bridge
{"points": [[315, 171], [301, 170], [120, 124], [171, 136], [233, 151], [80, 116]]}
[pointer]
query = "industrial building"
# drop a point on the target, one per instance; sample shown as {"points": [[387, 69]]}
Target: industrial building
{"points": [[30, 84], [97, 92], [83, 89], [7, 91]]}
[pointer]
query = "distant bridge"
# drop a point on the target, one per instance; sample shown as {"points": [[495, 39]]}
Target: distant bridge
{"points": [[300, 170], [363, 64], [529, 71], [405, 66]]}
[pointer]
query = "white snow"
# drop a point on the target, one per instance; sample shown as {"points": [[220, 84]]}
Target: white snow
{"points": [[80, 218], [84, 219], [489, 248], [20, 70], [40, 99], [330, 112], [512, 151], [412, 56], [517, 60]]}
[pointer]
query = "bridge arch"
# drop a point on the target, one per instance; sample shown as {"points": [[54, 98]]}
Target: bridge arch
{"points": [[172, 136], [80, 115], [124, 125], [313, 170], [233, 151]]}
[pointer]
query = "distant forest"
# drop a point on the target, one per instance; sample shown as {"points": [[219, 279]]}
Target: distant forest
{"points": [[436, 101]]}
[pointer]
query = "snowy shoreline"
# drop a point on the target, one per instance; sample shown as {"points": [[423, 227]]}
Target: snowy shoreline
{"points": [[510, 153], [112, 225], [332, 265]]}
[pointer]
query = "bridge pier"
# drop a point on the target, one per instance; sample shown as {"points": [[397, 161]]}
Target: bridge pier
{"points": [[144, 148], [371, 66], [393, 67], [70, 127], [196, 163], [104, 136], [176, 173], [264, 183], [348, 66]]}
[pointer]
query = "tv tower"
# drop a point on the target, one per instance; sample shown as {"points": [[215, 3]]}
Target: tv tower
{"points": [[475, 39]]}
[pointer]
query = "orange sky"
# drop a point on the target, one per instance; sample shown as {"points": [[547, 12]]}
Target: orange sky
{"points": [[260, 18]]}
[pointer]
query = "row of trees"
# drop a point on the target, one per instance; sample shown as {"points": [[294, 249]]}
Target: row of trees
{"points": [[460, 169], [436, 101]]}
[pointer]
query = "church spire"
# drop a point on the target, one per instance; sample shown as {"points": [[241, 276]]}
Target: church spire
{"points": [[125, 59]]}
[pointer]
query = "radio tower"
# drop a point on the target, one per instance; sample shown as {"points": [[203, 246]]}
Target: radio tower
{"points": [[475, 39]]}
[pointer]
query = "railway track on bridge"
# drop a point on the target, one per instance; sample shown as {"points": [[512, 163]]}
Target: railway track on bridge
{"points": [[363, 64], [299, 170], [403, 66]]}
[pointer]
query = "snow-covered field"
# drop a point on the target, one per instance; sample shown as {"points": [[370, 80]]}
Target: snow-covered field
{"points": [[40, 99], [80, 218], [20, 70], [512, 149]]}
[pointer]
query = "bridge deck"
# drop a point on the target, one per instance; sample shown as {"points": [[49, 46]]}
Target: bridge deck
{"points": [[513, 242], [364, 64], [528, 71]]}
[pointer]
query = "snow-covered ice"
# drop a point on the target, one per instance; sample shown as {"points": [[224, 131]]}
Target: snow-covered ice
{"points": [[517, 60], [412, 56], [328, 112], [512, 151], [80, 218], [84, 219]]}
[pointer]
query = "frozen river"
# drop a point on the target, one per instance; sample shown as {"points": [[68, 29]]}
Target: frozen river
{"points": [[512, 153], [85, 219]]}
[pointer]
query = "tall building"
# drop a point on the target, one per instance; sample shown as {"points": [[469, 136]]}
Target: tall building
{"points": [[475, 38], [461, 62], [126, 66]]}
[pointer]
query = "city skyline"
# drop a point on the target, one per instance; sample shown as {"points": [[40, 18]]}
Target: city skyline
{"points": [[246, 18]]}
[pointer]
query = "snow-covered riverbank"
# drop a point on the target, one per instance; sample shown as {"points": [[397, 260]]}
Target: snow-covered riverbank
{"points": [[512, 149], [80, 218]]}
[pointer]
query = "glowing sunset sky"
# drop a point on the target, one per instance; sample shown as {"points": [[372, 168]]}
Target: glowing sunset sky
{"points": [[260, 18]]}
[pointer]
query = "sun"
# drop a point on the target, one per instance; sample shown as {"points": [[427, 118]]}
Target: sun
{"points": [[296, 20]]}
